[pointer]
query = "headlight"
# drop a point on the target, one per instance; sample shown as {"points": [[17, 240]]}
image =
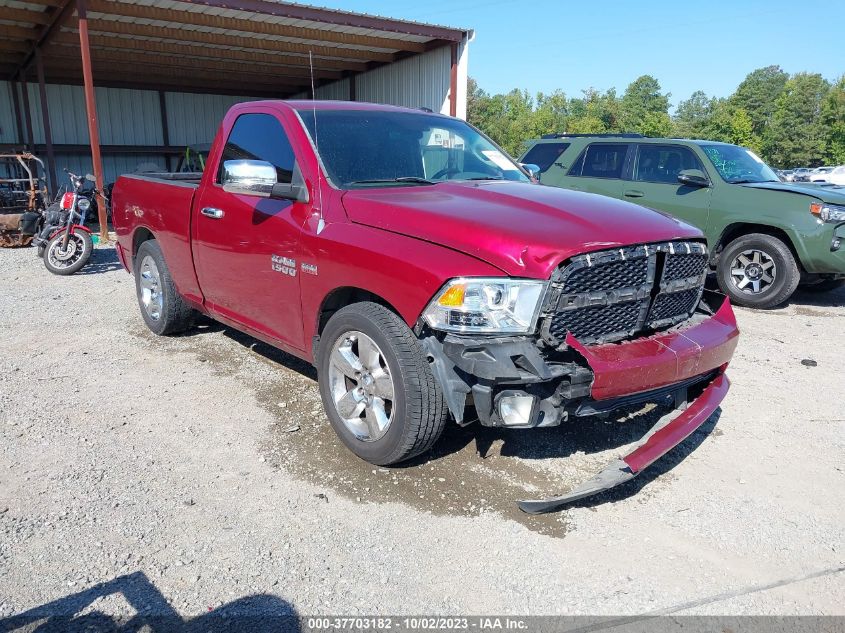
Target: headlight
{"points": [[83, 204], [487, 306], [828, 212]]}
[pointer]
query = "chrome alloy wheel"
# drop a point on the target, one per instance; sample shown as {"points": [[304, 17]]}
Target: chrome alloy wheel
{"points": [[65, 257], [361, 386], [753, 271], [150, 283]]}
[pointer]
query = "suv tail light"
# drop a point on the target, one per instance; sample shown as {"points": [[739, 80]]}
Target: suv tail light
{"points": [[67, 201]]}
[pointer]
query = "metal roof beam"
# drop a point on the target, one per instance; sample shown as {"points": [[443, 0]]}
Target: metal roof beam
{"points": [[25, 15], [182, 70], [208, 52], [240, 41], [55, 55], [58, 15], [193, 18], [328, 16], [171, 84]]}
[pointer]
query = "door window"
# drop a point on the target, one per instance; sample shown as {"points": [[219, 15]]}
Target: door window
{"points": [[259, 136], [601, 160], [544, 155], [663, 163]]}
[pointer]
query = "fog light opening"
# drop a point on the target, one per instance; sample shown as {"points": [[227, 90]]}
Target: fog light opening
{"points": [[516, 409]]}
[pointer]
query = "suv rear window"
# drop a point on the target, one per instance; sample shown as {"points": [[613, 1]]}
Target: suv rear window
{"points": [[544, 155], [601, 160], [663, 163]]}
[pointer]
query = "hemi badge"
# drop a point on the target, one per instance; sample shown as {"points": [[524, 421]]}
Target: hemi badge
{"points": [[311, 269]]}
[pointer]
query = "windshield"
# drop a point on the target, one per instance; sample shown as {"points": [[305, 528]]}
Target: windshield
{"points": [[737, 165], [367, 148]]}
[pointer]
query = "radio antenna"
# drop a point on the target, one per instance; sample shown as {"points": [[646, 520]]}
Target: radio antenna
{"points": [[321, 223]]}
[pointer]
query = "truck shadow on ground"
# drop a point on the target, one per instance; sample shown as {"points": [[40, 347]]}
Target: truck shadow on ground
{"points": [[80, 612], [471, 471], [103, 260]]}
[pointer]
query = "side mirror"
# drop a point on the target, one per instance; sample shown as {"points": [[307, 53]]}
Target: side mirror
{"points": [[258, 178], [248, 177], [693, 178], [532, 169]]}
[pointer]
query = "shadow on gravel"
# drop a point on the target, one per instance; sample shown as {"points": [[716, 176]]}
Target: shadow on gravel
{"points": [[470, 472], [103, 260], [78, 612], [830, 299]]}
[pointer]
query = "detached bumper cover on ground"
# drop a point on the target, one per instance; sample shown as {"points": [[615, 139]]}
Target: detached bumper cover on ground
{"points": [[669, 431], [639, 366]]}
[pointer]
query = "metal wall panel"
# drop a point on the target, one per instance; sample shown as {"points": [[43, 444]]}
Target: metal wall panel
{"points": [[194, 118], [126, 117], [415, 82], [8, 127], [113, 165]]}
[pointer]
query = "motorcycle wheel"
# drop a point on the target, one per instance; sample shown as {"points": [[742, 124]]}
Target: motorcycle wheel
{"points": [[69, 261]]}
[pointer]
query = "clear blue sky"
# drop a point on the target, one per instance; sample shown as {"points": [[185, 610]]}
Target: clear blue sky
{"points": [[542, 45]]}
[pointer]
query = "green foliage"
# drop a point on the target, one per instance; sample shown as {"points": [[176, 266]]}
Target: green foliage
{"points": [[833, 120], [796, 135], [789, 121], [645, 109], [758, 94]]}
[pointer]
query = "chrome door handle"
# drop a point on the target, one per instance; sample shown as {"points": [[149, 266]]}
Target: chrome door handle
{"points": [[633, 193], [211, 212]]}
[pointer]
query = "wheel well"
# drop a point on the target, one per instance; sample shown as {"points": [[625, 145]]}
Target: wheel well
{"points": [[342, 297], [738, 229], [141, 236]]}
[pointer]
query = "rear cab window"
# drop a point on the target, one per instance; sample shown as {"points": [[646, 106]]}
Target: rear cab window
{"points": [[259, 136], [601, 160], [663, 163]]}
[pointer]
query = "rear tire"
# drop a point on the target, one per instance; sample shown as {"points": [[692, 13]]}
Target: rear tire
{"points": [[55, 258], [373, 369], [758, 271], [162, 307]]}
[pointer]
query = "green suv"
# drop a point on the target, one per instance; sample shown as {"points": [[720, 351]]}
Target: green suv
{"points": [[765, 236]]}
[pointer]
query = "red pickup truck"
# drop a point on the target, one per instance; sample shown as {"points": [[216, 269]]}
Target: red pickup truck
{"points": [[427, 277]]}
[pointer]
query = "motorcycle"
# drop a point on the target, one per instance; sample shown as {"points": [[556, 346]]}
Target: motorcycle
{"points": [[64, 242]]}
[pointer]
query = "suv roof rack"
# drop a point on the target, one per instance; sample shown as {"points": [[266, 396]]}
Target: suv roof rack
{"points": [[619, 135]]}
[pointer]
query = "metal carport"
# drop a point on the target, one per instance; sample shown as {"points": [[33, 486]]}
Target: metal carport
{"points": [[144, 63]]}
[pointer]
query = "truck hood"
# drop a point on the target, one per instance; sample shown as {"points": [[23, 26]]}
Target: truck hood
{"points": [[524, 230], [833, 194]]}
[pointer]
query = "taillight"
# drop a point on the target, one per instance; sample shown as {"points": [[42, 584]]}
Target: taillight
{"points": [[67, 201]]}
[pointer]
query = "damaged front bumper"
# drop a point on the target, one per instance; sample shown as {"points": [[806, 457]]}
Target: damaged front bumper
{"points": [[683, 367]]}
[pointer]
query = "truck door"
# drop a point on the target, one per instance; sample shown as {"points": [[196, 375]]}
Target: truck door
{"points": [[598, 169], [246, 247], [654, 183]]}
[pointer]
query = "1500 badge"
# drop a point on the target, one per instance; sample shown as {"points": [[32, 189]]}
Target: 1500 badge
{"points": [[284, 265]]}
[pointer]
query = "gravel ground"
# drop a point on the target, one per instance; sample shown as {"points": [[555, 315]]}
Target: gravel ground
{"points": [[184, 475]]}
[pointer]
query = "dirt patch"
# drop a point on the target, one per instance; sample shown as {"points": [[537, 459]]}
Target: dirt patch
{"points": [[470, 472]]}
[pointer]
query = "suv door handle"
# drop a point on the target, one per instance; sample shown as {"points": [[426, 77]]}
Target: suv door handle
{"points": [[211, 212], [633, 193]]}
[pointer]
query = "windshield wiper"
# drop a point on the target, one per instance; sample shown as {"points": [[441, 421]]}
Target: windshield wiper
{"points": [[416, 180], [743, 182], [485, 178]]}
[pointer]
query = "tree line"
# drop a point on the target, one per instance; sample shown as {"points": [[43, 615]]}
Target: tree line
{"points": [[790, 121]]}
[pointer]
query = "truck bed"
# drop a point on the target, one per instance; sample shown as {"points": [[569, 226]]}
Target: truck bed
{"points": [[159, 204]]}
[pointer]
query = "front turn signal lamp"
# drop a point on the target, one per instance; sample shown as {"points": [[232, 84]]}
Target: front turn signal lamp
{"points": [[828, 212], [475, 305]]}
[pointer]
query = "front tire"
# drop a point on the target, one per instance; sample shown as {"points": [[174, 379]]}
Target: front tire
{"points": [[162, 307], [758, 271], [66, 261], [377, 387]]}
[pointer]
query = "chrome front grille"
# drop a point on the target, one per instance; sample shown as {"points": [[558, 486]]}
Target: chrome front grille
{"points": [[613, 295]]}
